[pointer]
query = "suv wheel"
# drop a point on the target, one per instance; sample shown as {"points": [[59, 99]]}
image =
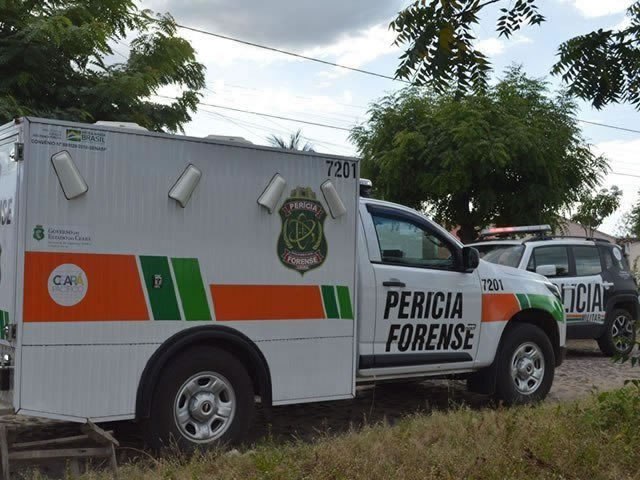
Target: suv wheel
{"points": [[526, 365], [620, 333]]}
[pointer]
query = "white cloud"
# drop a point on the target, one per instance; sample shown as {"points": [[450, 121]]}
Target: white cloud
{"points": [[491, 46], [623, 159], [495, 46], [599, 8], [356, 50]]}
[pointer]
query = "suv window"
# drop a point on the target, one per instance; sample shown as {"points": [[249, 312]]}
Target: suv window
{"points": [[508, 255], [407, 243], [613, 258], [587, 260], [552, 255]]}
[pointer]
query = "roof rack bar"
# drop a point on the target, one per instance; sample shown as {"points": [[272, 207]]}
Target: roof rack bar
{"points": [[506, 231], [574, 237]]}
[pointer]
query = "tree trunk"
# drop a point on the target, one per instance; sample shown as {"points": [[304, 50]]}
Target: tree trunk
{"points": [[467, 233]]}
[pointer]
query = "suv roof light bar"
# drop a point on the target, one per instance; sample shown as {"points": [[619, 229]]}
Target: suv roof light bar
{"points": [[503, 231]]}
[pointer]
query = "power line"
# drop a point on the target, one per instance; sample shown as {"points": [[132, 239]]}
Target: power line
{"points": [[625, 174], [610, 126], [292, 54], [266, 115]]}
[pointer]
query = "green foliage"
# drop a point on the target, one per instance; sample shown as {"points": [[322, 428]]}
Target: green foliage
{"points": [[602, 66], [594, 208], [617, 411], [53, 55], [294, 142], [630, 225], [509, 156]]}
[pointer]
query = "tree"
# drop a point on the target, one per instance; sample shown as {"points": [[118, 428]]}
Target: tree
{"points": [[57, 61], [509, 156], [295, 142], [602, 66], [594, 208], [630, 222]]}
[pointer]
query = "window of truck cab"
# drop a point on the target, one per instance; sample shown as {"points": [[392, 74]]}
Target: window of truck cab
{"points": [[407, 241]]}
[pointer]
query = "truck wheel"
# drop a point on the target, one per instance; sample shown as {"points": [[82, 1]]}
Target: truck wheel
{"points": [[204, 398], [526, 365], [620, 334]]}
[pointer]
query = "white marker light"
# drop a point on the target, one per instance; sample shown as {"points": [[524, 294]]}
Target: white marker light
{"points": [[336, 207], [271, 195], [185, 185], [72, 183]]}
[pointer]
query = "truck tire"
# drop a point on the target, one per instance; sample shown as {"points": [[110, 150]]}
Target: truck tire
{"points": [[203, 399], [526, 365], [619, 335]]}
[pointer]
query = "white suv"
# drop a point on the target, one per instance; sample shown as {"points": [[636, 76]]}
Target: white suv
{"points": [[599, 292]]}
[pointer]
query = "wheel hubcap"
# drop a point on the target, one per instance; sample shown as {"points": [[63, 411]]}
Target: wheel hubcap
{"points": [[622, 332], [204, 407], [527, 368]]}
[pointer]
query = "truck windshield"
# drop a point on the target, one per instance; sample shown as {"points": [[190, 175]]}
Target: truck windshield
{"points": [[508, 255]]}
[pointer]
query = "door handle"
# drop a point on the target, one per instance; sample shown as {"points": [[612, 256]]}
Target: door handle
{"points": [[607, 285], [393, 283]]}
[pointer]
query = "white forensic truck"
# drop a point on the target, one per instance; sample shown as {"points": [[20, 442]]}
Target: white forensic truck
{"points": [[177, 281]]}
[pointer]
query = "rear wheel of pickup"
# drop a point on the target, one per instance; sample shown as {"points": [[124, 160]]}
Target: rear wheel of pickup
{"points": [[203, 399], [526, 365], [620, 334]]}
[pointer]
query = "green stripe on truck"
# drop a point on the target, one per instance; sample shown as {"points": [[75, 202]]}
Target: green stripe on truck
{"points": [[329, 300], [164, 304], [344, 299], [191, 288]]}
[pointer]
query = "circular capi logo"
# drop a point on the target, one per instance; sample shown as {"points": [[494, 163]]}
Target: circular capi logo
{"points": [[68, 284], [617, 254]]}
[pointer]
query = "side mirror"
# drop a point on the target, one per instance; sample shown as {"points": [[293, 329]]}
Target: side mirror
{"points": [[470, 259], [547, 270]]}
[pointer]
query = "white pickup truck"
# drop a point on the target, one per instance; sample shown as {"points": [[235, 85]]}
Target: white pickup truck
{"points": [[173, 280]]}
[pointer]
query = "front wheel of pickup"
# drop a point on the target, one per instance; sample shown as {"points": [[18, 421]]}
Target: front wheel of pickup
{"points": [[526, 365]]}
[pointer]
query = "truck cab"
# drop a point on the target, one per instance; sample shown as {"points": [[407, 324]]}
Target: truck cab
{"points": [[428, 306]]}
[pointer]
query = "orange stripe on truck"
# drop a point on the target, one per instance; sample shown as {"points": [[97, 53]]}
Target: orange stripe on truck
{"points": [[267, 302], [498, 307], [112, 289]]}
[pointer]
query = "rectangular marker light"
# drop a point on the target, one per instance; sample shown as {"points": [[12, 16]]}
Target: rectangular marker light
{"points": [[271, 195], [336, 207], [72, 183], [185, 185]]}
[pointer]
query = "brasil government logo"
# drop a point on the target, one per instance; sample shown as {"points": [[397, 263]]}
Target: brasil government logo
{"points": [[302, 245]]}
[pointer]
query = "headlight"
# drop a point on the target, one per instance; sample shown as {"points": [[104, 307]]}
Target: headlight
{"points": [[555, 290]]}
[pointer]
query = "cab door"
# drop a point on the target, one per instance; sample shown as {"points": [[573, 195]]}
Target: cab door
{"points": [[428, 310]]}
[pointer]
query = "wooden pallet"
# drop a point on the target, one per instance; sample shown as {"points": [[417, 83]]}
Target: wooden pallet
{"points": [[59, 448]]}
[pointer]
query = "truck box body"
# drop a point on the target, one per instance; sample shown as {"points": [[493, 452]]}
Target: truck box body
{"points": [[96, 283]]}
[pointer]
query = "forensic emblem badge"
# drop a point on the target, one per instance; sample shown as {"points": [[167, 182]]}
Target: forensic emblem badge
{"points": [[302, 245]]}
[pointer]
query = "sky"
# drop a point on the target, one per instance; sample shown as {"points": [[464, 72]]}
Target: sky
{"points": [[355, 33]]}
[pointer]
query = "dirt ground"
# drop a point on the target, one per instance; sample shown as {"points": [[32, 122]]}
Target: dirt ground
{"points": [[584, 371]]}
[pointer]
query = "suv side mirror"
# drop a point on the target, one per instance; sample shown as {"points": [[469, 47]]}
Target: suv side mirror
{"points": [[547, 270], [470, 259]]}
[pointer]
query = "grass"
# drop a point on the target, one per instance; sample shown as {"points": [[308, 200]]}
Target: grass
{"points": [[598, 438]]}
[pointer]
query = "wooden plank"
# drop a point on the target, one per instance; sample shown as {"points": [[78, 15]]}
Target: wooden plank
{"points": [[99, 435], [51, 442], [114, 462], [61, 453], [4, 452]]}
